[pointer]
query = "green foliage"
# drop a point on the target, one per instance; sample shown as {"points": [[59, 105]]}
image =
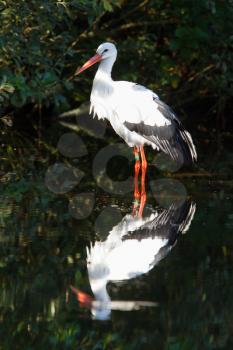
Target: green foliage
{"points": [[37, 46], [174, 46]]}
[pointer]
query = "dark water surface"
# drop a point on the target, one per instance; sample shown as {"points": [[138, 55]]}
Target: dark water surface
{"points": [[52, 212]]}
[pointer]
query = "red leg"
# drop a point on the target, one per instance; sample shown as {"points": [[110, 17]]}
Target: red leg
{"points": [[137, 169], [136, 172], [143, 189]]}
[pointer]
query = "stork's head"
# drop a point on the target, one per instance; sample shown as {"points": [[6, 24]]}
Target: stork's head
{"points": [[103, 52], [107, 50]]}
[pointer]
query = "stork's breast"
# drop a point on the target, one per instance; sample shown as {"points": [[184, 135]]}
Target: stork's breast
{"points": [[101, 107]]}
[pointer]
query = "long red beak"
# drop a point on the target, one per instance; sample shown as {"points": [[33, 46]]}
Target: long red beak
{"points": [[89, 63]]}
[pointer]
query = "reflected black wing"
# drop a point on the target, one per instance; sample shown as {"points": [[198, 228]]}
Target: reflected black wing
{"points": [[168, 224]]}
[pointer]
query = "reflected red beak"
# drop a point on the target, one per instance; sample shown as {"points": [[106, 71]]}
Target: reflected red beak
{"points": [[84, 299], [89, 63]]}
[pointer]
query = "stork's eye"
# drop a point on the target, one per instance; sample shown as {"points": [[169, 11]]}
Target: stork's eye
{"points": [[106, 50]]}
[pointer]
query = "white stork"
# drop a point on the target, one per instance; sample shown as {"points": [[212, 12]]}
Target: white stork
{"points": [[137, 115], [132, 248]]}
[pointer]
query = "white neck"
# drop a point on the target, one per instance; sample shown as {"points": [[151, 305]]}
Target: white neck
{"points": [[99, 289], [101, 306], [102, 87], [103, 77], [105, 68], [102, 84]]}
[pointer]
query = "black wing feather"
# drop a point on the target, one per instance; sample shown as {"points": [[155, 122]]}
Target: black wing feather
{"points": [[172, 139]]}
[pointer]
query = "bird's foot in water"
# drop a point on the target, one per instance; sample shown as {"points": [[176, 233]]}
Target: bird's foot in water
{"points": [[139, 203], [136, 203]]}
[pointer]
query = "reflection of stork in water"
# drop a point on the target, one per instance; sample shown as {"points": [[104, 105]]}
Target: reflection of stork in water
{"points": [[132, 248]]}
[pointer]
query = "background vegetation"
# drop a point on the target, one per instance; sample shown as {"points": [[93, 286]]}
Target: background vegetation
{"points": [[182, 49]]}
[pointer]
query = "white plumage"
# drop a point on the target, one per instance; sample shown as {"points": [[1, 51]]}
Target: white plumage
{"points": [[135, 112]]}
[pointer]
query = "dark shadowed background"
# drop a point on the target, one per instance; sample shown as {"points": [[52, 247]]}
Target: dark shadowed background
{"points": [[181, 49]]}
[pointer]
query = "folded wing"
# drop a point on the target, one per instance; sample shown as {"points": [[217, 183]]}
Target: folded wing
{"points": [[145, 114]]}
